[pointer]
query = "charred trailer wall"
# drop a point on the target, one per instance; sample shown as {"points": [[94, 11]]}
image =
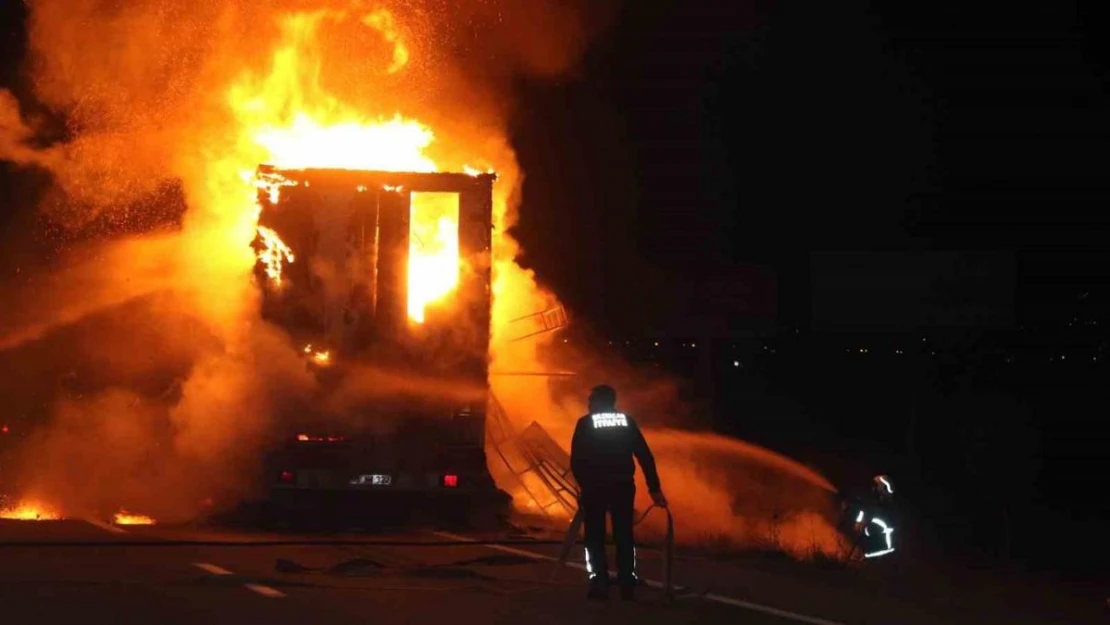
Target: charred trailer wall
{"points": [[347, 288]]}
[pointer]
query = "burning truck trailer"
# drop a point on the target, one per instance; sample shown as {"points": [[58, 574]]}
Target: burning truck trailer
{"points": [[384, 279]]}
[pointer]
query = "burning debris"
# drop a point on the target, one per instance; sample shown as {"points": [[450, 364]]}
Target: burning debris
{"points": [[124, 517], [273, 253], [29, 510]]}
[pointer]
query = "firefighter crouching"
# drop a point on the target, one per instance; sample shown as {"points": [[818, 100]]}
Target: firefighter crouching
{"points": [[601, 453], [870, 517]]}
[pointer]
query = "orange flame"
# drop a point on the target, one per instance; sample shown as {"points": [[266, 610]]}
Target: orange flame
{"points": [[319, 356], [322, 132], [124, 517], [433, 250], [30, 510], [274, 253]]}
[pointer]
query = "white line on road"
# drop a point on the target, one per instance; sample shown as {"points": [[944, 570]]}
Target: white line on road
{"points": [[261, 589], [107, 527], [748, 605], [211, 568], [766, 609], [265, 591]]}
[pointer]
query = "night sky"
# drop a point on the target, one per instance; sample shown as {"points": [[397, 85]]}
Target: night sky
{"points": [[709, 135]]}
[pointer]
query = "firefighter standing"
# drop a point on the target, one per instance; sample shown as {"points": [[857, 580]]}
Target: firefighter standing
{"points": [[601, 459]]}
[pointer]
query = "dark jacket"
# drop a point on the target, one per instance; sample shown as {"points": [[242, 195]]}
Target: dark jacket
{"points": [[602, 449]]}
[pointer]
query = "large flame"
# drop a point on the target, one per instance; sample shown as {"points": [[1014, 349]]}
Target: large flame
{"points": [[199, 94], [296, 125]]}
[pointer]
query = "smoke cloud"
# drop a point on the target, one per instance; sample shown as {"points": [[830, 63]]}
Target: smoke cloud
{"points": [[184, 382], [169, 92], [725, 493]]}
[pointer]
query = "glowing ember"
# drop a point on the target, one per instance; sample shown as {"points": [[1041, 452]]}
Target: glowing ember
{"points": [[274, 254], [124, 517], [319, 356], [272, 184], [30, 511]]}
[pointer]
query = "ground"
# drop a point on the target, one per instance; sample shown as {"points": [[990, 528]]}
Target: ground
{"points": [[77, 571]]}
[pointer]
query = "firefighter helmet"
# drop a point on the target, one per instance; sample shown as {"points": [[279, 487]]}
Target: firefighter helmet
{"points": [[883, 487]]}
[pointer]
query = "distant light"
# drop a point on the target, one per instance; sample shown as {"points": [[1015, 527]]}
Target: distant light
{"points": [[735, 363], [302, 437], [4, 429], [693, 344], [657, 343]]}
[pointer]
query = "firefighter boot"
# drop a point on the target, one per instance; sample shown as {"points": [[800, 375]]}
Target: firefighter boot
{"points": [[598, 589]]}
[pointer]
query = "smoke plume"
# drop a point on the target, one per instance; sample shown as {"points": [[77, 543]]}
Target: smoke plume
{"points": [[178, 92], [195, 94]]}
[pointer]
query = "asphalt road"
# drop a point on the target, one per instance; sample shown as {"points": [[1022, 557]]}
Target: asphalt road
{"points": [[80, 572], [75, 571]]}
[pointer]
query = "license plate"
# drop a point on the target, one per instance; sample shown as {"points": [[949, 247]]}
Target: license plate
{"points": [[373, 479]]}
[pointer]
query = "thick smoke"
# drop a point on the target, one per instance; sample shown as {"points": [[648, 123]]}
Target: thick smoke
{"points": [[175, 92], [726, 493], [157, 92]]}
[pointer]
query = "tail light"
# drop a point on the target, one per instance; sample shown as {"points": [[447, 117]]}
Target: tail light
{"points": [[286, 477], [451, 480]]}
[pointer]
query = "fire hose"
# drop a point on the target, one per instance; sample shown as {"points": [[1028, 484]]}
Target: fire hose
{"points": [[668, 547]]}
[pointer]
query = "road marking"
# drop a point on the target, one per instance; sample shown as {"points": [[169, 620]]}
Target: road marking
{"points": [[265, 591], [211, 568], [107, 527], [502, 548], [261, 589], [747, 605], [766, 609]]}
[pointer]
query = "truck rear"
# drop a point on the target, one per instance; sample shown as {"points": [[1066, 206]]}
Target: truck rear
{"points": [[382, 279]]}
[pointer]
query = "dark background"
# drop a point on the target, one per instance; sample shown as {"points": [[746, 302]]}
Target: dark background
{"points": [[925, 183], [726, 171]]}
